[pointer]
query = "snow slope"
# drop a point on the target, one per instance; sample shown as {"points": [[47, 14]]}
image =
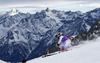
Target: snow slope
{"points": [[85, 53], [2, 61]]}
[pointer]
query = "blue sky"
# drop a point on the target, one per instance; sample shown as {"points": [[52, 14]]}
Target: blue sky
{"points": [[33, 6]]}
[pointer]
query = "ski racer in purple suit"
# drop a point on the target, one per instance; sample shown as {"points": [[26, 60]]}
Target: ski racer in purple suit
{"points": [[64, 42]]}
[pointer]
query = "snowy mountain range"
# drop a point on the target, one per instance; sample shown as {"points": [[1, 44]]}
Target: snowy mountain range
{"points": [[26, 36]]}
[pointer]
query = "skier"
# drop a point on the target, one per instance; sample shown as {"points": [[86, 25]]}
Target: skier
{"points": [[64, 42]]}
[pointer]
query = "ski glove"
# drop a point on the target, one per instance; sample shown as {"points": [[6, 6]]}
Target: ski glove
{"points": [[58, 44]]}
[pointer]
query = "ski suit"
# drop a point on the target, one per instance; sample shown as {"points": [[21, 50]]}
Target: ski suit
{"points": [[64, 42]]}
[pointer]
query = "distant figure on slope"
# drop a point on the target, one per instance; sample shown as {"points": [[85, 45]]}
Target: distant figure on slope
{"points": [[64, 42]]}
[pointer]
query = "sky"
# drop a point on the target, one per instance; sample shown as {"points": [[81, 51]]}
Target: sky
{"points": [[33, 6]]}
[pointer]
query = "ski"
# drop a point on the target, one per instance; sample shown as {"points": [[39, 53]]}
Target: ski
{"points": [[50, 54]]}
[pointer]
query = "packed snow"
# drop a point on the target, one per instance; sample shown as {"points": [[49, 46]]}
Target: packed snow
{"points": [[89, 52], [2, 61]]}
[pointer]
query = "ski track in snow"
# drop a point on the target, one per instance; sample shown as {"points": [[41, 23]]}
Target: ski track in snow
{"points": [[84, 53]]}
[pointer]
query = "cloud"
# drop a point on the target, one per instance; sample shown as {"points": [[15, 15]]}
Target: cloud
{"points": [[90, 5], [83, 5], [43, 3], [10, 2], [34, 3]]}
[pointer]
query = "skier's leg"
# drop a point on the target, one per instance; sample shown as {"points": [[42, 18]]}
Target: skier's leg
{"points": [[67, 44], [61, 47]]}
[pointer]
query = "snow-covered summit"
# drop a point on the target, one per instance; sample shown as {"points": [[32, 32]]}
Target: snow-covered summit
{"points": [[13, 12]]}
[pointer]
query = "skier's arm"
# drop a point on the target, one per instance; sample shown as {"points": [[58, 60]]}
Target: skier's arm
{"points": [[59, 42]]}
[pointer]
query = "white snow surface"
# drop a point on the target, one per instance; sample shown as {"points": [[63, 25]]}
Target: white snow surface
{"points": [[2, 61], [89, 52]]}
